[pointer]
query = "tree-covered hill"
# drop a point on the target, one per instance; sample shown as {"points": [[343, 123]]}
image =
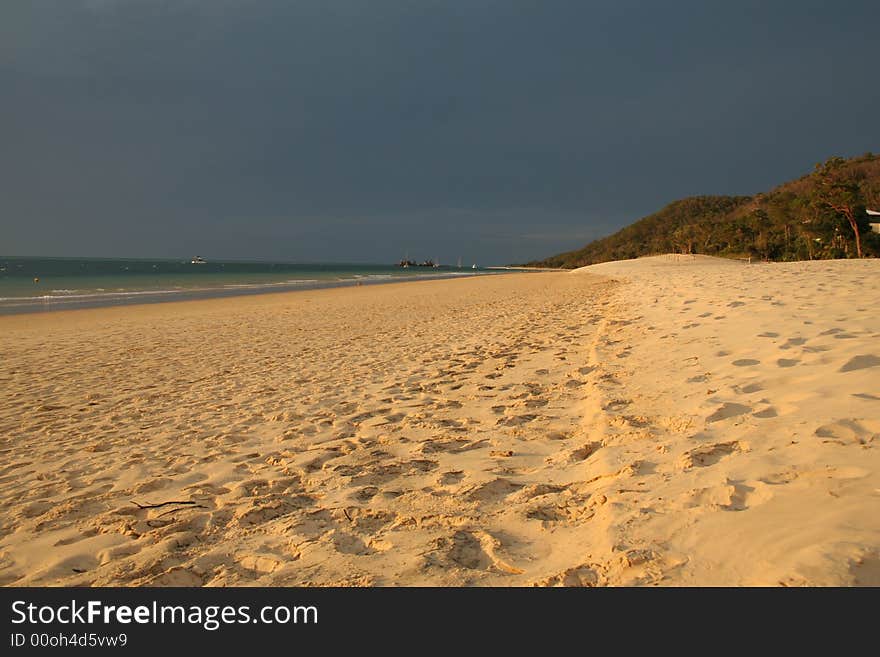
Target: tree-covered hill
{"points": [[820, 215]]}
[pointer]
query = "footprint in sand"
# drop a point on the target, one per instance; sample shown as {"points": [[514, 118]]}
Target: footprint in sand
{"points": [[494, 491], [76, 539], [37, 508], [349, 543], [365, 494], [744, 495], [259, 564], [849, 431], [176, 577], [585, 452], [728, 410], [536, 490], [477, 550], [582, 576], [745, 362], [154, 485], [710, 454], [731, 496], [516, 420], [787, 362], [450, 478], [860, 362], [547, 514], [780, 478]]}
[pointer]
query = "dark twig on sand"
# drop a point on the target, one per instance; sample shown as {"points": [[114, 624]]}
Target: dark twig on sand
{"points": [[157, 506], [194, 506]]}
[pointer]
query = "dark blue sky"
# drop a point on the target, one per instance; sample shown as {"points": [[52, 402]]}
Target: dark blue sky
{"points": [[355, 130]]}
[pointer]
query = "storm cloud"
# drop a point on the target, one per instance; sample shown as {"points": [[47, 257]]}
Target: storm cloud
{"points": [[358, 131]]}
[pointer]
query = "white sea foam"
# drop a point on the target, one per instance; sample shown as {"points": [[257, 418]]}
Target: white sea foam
{"points": [[296, 281], [61, 297]]}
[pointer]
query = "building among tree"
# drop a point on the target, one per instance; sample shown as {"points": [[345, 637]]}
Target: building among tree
{"points": [[875, 225]]}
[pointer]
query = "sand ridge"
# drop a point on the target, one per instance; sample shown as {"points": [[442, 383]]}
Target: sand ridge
{"points": [[660, 421], [752, 403]]}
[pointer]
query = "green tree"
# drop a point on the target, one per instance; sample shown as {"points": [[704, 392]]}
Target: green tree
{"points": [[838, 191]]}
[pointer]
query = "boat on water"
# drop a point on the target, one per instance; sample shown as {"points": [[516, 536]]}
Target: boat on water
{"points": [[411, 263], [198, 260]]}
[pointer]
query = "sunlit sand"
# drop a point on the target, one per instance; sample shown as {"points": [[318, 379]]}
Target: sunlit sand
{"points": [[662, 421]]}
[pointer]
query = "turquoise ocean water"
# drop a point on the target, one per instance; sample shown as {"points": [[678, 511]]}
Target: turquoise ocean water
{"points": [[45, 284]]}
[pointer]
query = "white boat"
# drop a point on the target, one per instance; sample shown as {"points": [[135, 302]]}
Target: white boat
{"points": [[198, 260]]}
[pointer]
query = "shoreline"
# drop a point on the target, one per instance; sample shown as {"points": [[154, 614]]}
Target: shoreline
{"points": [[50, 304], [650, 422]]}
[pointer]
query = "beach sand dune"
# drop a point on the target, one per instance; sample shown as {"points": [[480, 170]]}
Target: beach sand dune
{"points": [[661, 421], [753, 402]]}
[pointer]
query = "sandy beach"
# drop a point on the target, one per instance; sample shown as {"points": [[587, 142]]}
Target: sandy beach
{"points": [[666, 421]]}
